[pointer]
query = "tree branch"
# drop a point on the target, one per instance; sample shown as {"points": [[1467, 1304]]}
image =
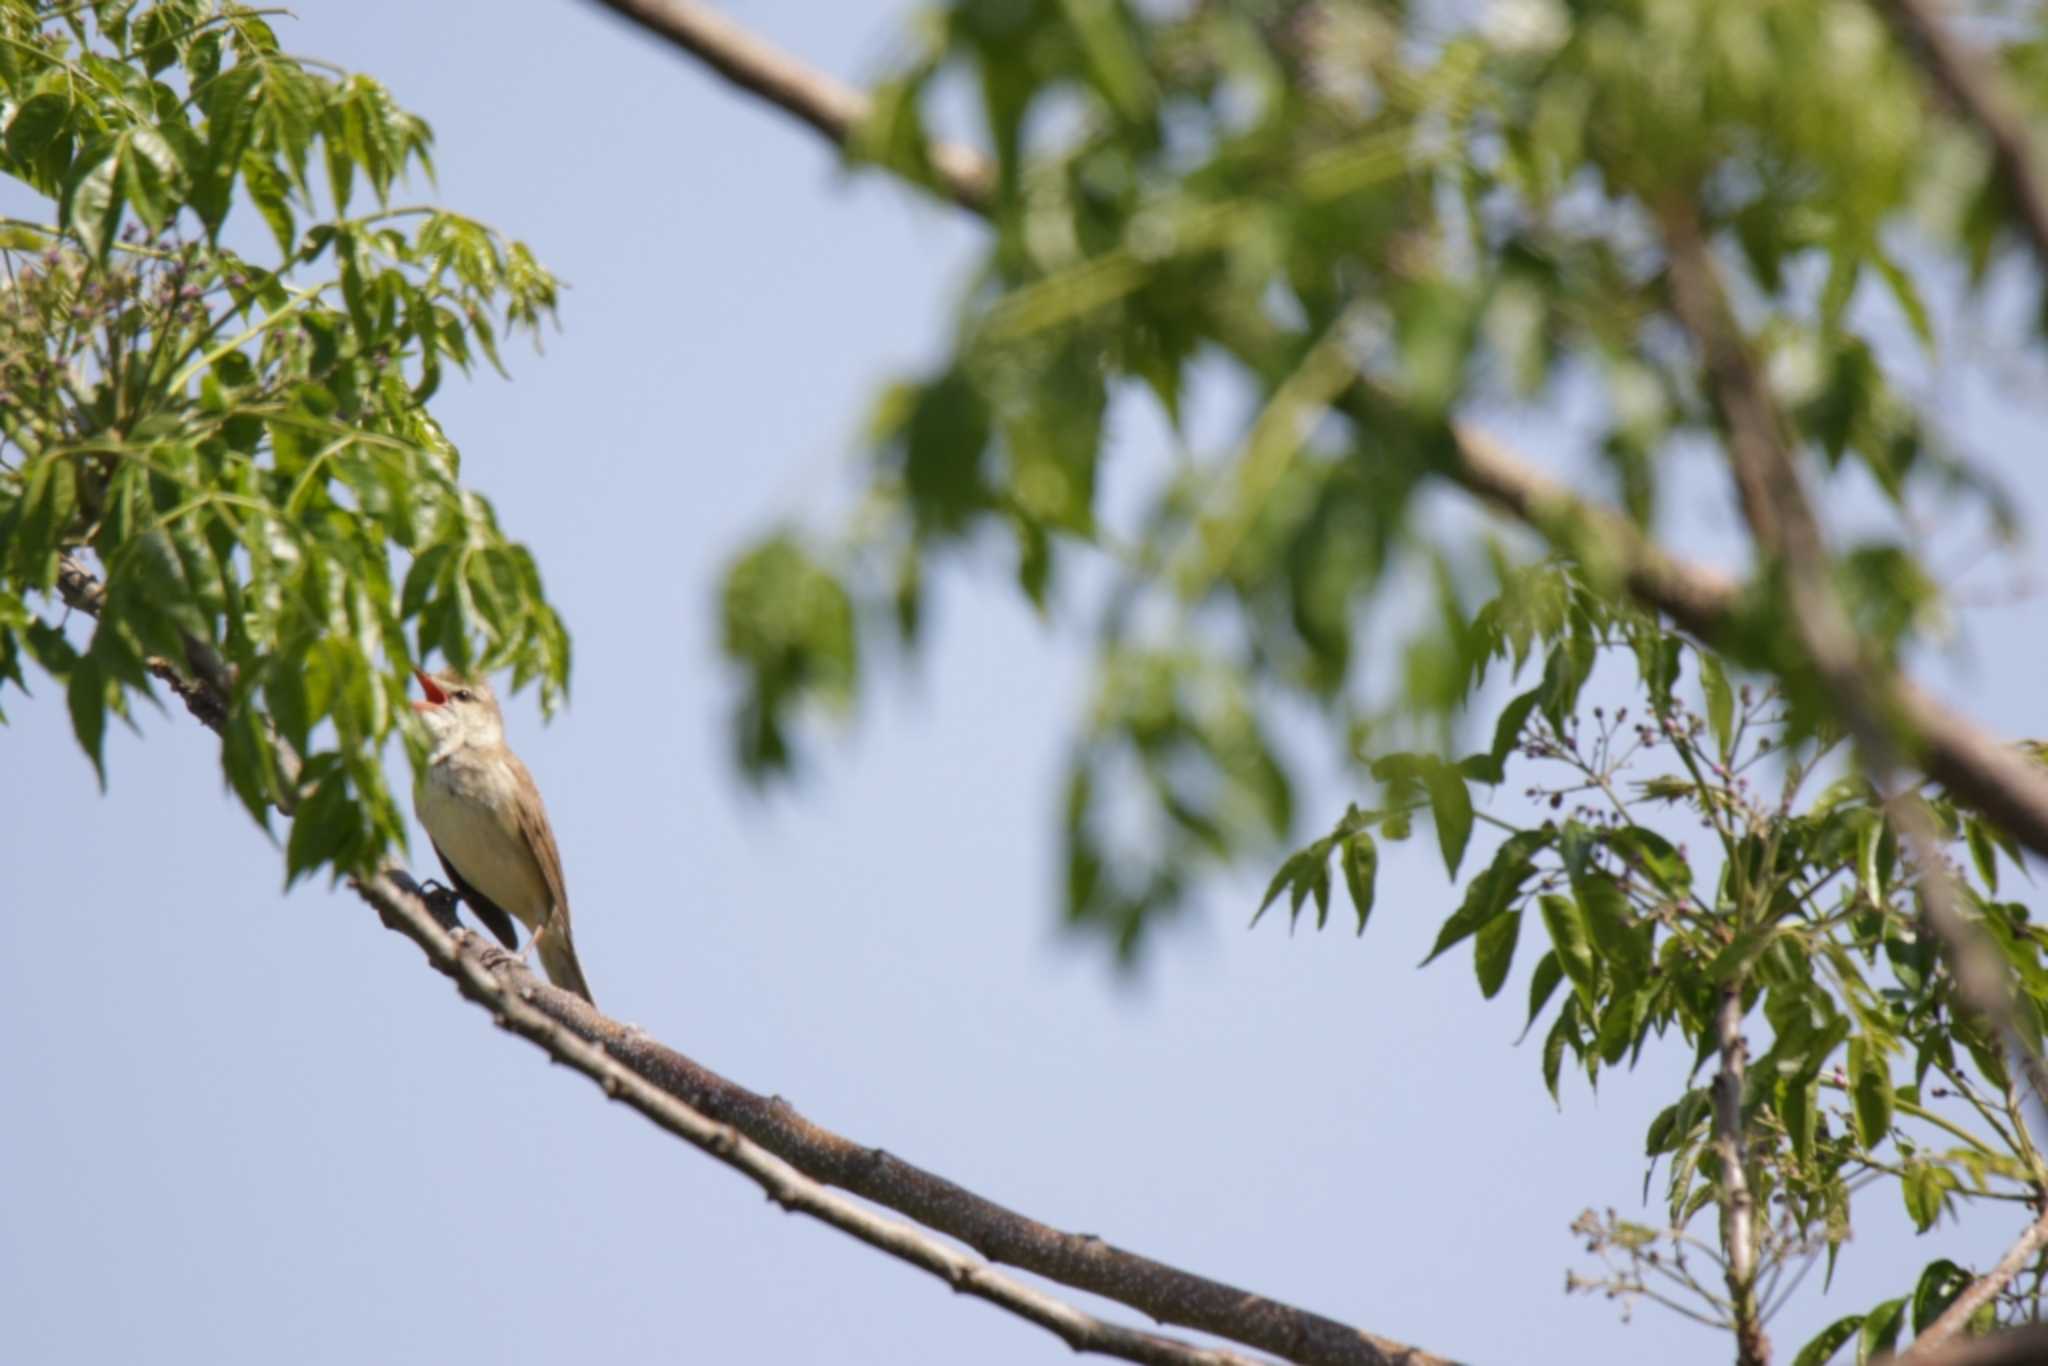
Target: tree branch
{"points": [[1738, 1208], [572, 1032], [793, 85], [2026, 1346], [793, 1159], [1787, 533], [1981, 1291], [203, 685], [1980, 770], [1972, 87]]}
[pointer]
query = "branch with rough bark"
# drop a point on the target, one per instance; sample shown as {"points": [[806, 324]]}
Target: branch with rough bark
{"points": [[1980, 770], [794, 1160], [572, 1032], [1973, 89]]}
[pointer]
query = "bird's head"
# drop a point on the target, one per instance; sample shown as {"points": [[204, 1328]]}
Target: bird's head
{"points": [[459, 711]]}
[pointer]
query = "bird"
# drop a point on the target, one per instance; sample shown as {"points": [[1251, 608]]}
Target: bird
{"points": [[488, 825]]}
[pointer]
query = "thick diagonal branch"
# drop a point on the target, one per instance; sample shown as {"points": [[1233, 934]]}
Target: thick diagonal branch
{"points": [[572, 1032], [1974, 765], [793, 1159], [1972, 87]]}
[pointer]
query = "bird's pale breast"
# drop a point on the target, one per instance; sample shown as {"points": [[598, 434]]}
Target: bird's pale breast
{"points": [[468, 809]]}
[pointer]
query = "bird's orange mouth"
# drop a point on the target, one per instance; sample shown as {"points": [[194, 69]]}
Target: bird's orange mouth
{"points": [[436, 694]]}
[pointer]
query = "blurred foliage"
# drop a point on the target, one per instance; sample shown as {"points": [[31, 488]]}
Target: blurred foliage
{"points": [[1361, 221], [238, 445], [1356, 223]]}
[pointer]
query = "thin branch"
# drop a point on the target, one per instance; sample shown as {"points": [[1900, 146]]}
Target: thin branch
{"points": [[1971, 85], [791, 1157], [1974, 765], [1980, 1292], [1738, 1207], [1787, 533], [793, 85]]}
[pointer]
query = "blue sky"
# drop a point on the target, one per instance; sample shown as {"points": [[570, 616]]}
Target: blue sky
{"points": [[244, 1126]]}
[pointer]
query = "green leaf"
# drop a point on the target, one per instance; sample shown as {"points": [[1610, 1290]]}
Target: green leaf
{"points": [[1493, 952], [86, 693], [1654, 855], [1563, 1033], [1907, 294], [92, 210], [1925, 1187], [1542, 983], [1940, 1283], [1605, 913], [1451, 803], [1720, 701], [1798, 1101], [1869, 841], [1821, 1348], [151, 175], [1296, 872], [1567, 926], [1881, 1329], [1361, 870], [323, 829], [1870, 1092], [1620, 1025], [1490, 893], [1982, 852], [36, 124], [1491, 768], [1676, 1123]]}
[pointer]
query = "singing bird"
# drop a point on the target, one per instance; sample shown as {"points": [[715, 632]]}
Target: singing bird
{"points": [[485, 817]]}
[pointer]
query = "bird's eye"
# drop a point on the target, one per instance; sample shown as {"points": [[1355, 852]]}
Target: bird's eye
{"points": [[464, 695]]}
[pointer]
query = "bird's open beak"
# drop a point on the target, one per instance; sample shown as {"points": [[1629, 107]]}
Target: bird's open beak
{"points": [[436, 695]]}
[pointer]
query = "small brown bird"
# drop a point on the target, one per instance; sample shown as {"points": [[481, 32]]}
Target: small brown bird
{"points": [[485, 818]]}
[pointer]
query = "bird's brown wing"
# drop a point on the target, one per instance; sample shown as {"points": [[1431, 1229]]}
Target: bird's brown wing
{"points": [[557, 948], [488, 913]]}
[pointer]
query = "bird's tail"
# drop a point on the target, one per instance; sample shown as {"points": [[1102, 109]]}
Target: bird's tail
{"points": [[558, 959]]}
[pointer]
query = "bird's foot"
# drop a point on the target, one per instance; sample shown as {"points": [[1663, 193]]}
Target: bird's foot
{"points": [[439, 896], [442, 902]]}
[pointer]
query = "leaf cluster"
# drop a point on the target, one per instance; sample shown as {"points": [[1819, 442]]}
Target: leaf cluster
{"points": [[239, 447]]}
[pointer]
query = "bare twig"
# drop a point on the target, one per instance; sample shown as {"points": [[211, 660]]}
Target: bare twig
{"points": [[1981, 1291], [1972, 87], [1972, 764], [791, 1157]]}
